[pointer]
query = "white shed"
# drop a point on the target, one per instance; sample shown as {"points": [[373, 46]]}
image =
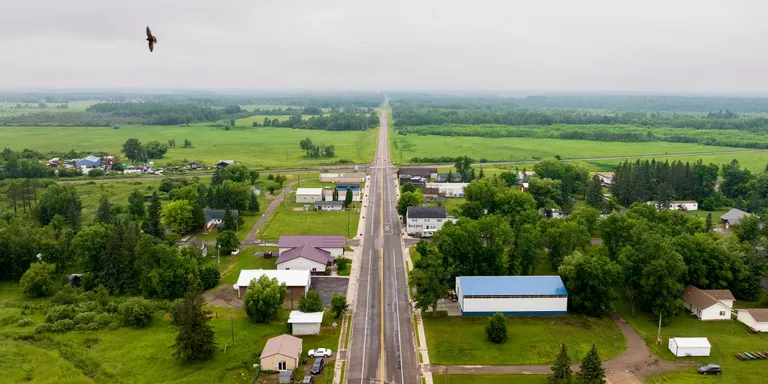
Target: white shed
{"points": [[308, 195], [689, 346], [755, 318], [305, 323]]}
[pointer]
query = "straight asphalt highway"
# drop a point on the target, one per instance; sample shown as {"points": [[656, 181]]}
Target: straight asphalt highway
{"points": [[382, 348]]}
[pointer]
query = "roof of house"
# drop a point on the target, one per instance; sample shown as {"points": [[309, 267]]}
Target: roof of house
{"points": [[309, 191], [211, 214], [734, 215], [703, 299], [759, 314], [320, 241], [92, 159], [298, 317], [691, 342], [291, 277], [419, 212], [429, 190], [342, 192], [305, 251], [512, 285], [416, 171], [229, 162], [286, 345], [329, 203]]}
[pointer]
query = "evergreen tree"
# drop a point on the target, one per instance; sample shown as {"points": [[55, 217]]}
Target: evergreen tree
{"points": [[218, 176], [229, 221], [104, 213], [450, 176], [481, 174], [196, 339], [335, 194], [153, 225], [592, 371], [348, 197], [136, 204], [253, 203], [708, 224], [496, 330], [561, 369], [594, 193]]}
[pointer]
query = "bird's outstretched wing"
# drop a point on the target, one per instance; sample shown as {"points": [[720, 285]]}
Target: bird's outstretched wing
{"points": [[151, 45], [149, 33]]}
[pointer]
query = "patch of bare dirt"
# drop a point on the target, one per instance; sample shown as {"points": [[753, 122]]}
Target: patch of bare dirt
{"points": [[223, 296]]}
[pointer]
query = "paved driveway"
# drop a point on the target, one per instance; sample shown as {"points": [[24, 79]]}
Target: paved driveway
{"points": [[326, 286]]}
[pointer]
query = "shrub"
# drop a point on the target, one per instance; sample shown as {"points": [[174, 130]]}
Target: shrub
{"points": [[87, 327], [65, 325], [24, 322], [44, 328], [105, 319], [209, 276], [497, 328], [85, 318], [95, 172], [39, 280], [136, 312], [60, 312], [311, 302]]}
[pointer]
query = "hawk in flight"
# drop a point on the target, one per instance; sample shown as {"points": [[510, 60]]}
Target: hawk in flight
{"points": [[151, 39]]}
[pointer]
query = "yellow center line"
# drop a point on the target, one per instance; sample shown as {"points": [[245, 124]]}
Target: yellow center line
{"points": [[381, 268]]}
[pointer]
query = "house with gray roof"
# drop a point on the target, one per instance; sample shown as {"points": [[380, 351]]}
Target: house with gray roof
{"points": [[88, 162], [425, 221], [215, 217], [313, 253], [733, 217]]}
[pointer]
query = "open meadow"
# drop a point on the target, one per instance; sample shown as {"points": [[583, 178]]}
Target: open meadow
{"points": [[264, 148]]}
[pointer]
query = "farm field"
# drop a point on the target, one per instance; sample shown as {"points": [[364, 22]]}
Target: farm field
{"points": [[248, 121], [265, 148], [134, 355], [516, 149], [532, 340], [9, 109], [754, 161], [727, 338], [489, 379]]}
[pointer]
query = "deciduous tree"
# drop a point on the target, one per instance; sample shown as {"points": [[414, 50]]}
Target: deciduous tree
{"points": [[409, 199], [338, 305], [177, 216], [496, 330], [264, 298], [590, 279], [39, 280], [310, 302]]}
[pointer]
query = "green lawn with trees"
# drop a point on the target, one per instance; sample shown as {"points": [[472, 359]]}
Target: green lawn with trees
{"points": [[461, 340]]}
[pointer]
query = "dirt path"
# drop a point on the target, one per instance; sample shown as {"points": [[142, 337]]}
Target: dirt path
{"points": [[629, 367], [252, 236]]}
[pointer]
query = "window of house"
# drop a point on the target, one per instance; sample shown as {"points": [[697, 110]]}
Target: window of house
{"points": [[722, 313], [426, 220], [314, 269], [281, 366]]}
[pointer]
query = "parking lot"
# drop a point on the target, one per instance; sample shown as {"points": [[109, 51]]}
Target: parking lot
{"points": [[326, 286]]}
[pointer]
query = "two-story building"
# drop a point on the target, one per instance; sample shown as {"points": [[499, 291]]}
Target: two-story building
{"points": [[425, 221]]}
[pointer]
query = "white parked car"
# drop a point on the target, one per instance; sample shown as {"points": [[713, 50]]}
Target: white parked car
{"points": [[235, 252], [320, 352]]}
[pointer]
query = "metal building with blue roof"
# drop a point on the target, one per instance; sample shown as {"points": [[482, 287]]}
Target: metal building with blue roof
{"points": [[512, 295]]}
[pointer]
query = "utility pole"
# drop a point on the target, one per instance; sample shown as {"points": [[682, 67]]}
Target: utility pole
{"points": [[658, 335], [218, 254], [347, 221]]}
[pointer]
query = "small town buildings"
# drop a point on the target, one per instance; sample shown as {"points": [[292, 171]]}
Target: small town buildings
{"points": [[425, 220], [109, 161], [132, 172], [733, 217], [431, 194], [342, 178], [308, 195], [310, 253], [199, 244], [54, 162], [224, 163], [305, 323], [443, 178], [88, 162], [192, 165], [215, 217], [678, 205], [606, 178], [755, 318], [525, 176], [708, 304], [689, 346], [297, 281], [524, 187], [281, 353], [328, 195], [329, 205], [512, 295], [417, 181], [424, 172], [449, 189]]}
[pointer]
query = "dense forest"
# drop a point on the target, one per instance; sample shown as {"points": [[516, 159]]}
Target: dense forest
{"points": [[333, 122]]}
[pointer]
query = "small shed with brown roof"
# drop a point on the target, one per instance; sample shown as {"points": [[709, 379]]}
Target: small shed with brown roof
{"points": [[755, 318], [281, 353], [708, 304]]}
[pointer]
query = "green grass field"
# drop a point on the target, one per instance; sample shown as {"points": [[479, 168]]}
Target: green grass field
{"points": [[727, 338], [231, 265], [265, 148], [532, 340], [451, 204], [286, 221], [754, 161], [489, 379]]}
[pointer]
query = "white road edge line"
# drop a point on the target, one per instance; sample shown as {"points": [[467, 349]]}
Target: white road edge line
{"points": [[365, 334]]}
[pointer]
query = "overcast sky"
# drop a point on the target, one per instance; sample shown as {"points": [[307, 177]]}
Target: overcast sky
{"points": [[613, 45]]}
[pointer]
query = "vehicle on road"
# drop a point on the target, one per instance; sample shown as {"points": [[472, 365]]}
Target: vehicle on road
{"points": [[320, 352], [710, 369], [317, 366], [235, 252], [427, 234]]}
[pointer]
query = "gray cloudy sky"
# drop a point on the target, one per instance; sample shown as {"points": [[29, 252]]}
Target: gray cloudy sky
{"points": [[647, 45]]}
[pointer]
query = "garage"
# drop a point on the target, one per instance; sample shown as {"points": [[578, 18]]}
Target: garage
{"points": [[305, 323], [511, 295], [689, 346], [308, 195]]}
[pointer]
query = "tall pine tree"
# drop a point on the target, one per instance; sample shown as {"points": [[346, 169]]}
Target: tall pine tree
{"points": [[104, 213], [592, 371], [153, 225], [594, 193], [562, 373], [253, 203], [348, 197], [196, 339], [136, 204]]}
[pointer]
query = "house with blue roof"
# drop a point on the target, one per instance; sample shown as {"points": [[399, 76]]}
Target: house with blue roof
{"points": [[512, 295]]}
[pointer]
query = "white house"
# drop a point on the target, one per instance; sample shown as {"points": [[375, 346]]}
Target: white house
{"points": [[309, 253], [679, 205], [606, 178], [297, 281], [329, 205], [426, 220], [132, 171], [708, 304], [689, 346], [305, 323], [512, 295], [755, 318], [449, 189], [308, 195]]}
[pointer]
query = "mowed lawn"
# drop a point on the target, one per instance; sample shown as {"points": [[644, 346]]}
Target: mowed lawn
{"points": [[264, 148], [406, 147], [489, 379], [459, 340], [726, 337], [232, 265], [286, 221]]}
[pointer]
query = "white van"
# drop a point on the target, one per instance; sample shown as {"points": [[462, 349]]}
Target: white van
{"points": [[427, 234]]}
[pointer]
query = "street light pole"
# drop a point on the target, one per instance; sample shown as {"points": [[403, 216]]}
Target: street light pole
{"points": [[218, 254]]}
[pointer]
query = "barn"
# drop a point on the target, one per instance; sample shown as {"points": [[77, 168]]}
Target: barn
{"points": [[512, 295], [308, 195], [689, 346]]}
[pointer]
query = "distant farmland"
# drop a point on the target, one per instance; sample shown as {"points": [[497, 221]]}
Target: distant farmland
{"points": [[255, 147]]}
